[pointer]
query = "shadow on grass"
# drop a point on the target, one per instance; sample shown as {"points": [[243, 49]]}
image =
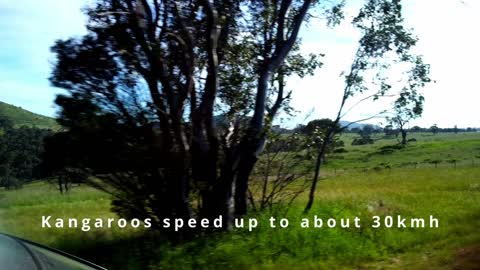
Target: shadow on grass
{"points": [[128, 253], [144, 251]]}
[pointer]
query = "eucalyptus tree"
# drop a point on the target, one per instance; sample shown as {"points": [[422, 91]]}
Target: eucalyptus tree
{"points": [[385, 44], [407, 107], [145, 87]]}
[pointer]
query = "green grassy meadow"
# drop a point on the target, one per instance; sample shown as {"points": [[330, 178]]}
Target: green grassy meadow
{"points": [[21, 117], [357, 183]]}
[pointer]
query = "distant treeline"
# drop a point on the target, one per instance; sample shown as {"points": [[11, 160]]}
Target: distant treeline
{"points": [[389, 129], [435, 129], [21, 148], [20, 153], [370, 129]]}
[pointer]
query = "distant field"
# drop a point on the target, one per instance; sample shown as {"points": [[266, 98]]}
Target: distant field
{"points": [[463, 148], [357, 189]]}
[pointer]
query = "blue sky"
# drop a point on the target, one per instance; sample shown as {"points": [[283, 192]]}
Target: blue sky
{"points": [[27, 30], [449, 41]]}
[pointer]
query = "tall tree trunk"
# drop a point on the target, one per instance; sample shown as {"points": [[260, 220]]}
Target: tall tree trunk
{"points": [[318, 164], [404, 137], [60, 183], [216, 190], [313, 188], [254, 139], [178, 184], [251, 144], [248, 151], [241, 183], [218, 201]]}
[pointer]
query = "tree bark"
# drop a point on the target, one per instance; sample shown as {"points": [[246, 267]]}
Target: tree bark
{"points": [[254, 139], [313, 188], [241, 184], [404, 137]]}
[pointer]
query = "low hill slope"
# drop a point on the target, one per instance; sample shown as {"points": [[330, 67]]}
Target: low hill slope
{"points": [[21, 117]]}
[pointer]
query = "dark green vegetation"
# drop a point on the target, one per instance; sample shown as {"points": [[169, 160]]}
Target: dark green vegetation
{"points": [[20, 117], [20, 153], [345, 190]]}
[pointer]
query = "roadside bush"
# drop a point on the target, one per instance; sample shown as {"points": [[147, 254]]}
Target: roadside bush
{"points": [[388, 149], [340, 150], [362, 140], [10, 183]]}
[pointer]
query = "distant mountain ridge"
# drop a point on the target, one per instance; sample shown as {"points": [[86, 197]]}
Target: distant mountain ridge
{"points": [[357, 125], [21, 117]]}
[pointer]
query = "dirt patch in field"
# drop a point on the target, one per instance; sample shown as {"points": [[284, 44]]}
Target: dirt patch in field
{"points": [[467, 258]]}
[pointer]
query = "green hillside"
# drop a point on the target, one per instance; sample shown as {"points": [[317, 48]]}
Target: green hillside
{"points": [[21, 117]]}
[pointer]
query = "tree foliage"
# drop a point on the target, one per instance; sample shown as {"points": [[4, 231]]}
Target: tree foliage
{"points": [[408, 106], [145, 86], [20, 153], [320, 125], [384, 44]]}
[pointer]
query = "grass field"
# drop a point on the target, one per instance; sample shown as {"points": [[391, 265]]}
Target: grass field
{"points": [[464, 148], [449, 193]]}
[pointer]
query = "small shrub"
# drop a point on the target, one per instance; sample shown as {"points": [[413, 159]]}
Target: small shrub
{"points": [[362, 140], [385, 165], [453, 161], [434, 161], [11, 183], [388, 149]]}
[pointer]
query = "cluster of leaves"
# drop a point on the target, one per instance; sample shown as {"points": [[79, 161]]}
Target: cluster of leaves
{"points": [[316, 131], [365, 135], [362, 140]]}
